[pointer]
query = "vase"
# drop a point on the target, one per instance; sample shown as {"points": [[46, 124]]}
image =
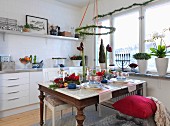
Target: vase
{"points": [[161, 65], [142, 64], [76, 62]]}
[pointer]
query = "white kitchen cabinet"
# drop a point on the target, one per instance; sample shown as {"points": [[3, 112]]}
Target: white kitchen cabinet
{"points": [[14, 90], [34, 92], [158, 88]]}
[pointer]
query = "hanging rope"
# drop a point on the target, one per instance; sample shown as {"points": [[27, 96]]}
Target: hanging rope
{"points": [[84, 14], [85, 30]]}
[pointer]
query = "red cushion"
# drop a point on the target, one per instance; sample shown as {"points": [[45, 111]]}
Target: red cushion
{"points": [[136, 106]]}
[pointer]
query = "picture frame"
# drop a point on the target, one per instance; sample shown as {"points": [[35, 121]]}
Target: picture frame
{"points": [[37, 24]]}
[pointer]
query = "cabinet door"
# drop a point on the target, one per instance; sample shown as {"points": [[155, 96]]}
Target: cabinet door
{"points": [[34, 92]]}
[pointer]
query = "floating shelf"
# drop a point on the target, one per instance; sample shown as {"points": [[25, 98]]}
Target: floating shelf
{"points": [[36, 35]]}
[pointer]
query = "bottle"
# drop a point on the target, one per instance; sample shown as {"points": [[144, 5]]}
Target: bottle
{"points": [[30, 58], [35, 58]]}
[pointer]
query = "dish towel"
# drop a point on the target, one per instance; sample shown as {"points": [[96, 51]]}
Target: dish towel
{"points": [[105, 95], [131, 86]]}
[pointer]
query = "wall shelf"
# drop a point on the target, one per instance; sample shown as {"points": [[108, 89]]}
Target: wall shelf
{"points": [[35, 35]]}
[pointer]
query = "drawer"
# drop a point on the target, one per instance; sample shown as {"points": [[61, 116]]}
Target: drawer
{"points": [[14, 88], [14, 94], [14, 75], [14, 81], [13, 103]]}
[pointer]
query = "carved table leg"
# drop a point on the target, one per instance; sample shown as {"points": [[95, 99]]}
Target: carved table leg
{"points": [[80, 117], [41, 97]]}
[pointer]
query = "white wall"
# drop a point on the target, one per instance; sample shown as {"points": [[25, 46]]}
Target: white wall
{"points": [[104, 6], [57, 13]]}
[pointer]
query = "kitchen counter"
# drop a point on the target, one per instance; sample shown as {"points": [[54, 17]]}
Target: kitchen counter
{"points": [[21, 70]]}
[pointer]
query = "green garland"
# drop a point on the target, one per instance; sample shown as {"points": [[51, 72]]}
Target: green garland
{"points": [[84, 30], [124, 8]]}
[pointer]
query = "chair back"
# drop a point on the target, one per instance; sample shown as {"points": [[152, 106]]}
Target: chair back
{"points": [[49, 74]]}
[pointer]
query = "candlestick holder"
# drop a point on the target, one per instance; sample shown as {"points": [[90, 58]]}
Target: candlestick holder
{"points": [[122, 60]]}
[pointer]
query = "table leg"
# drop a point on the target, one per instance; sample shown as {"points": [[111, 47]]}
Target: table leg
{"points": [[80, 117], [41, 97], [96, 106]]}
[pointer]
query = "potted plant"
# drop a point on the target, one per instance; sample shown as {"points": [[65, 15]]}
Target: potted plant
{"points": [[102, 56], [76, 59], [142, 61], [26, 28], [160, 51]]}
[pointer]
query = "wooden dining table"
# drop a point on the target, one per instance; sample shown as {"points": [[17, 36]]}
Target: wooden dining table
{"points": [[81, 98]]}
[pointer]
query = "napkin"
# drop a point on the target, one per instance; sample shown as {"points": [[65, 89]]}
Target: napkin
{"points": [[131, 86], [105, 95]]}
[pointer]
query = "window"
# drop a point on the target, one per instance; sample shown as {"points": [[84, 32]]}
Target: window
{"points": [[156, 19], [106, 38], [131, 32], [126, 36]]}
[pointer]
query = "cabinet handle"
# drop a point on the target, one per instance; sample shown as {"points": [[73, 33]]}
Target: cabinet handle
{"points": [[13, 86], [13, 92], [14, 79], [13, 99]]}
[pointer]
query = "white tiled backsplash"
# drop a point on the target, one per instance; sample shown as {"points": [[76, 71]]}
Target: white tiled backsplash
{"points": [[20, 46]]}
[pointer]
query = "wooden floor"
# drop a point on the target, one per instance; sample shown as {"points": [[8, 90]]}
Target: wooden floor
{"points": [[26, 119]]}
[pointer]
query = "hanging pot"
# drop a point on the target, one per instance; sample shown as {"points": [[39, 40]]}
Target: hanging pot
{"points": [[161, 65]]}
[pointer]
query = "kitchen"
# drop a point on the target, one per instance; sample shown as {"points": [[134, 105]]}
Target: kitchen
{"points": [[14, 46]]}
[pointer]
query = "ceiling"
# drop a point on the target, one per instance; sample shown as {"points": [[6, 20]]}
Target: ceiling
{"points": [[78, 3]]}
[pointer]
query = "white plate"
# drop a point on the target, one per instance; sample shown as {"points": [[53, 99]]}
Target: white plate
{"points": [[118, 80], [91, 86]]}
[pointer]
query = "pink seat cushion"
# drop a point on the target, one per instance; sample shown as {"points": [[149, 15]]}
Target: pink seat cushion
{"points": [[136, 106]]}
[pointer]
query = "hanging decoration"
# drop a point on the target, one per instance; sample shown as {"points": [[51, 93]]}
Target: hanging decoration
{"points": [[124, 8], [91, 29]]}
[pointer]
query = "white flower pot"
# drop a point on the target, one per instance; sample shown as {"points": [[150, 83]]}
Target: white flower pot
{"points": [[76, 62], [161, 65], [102, 65], [142, 64]]}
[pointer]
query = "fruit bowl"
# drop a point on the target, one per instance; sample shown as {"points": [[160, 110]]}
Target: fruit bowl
{"points": [[25, 60]]}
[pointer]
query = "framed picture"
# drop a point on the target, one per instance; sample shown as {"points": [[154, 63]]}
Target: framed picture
{"points": [[38, 25]]}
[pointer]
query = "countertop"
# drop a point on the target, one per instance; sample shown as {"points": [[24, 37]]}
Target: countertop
{"points": [[21, 70]]}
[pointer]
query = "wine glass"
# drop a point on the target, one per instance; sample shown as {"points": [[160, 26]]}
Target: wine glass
{"points": [[80, 77]]}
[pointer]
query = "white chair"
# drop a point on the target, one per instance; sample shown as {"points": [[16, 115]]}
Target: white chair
{"points": [[53, 103]]}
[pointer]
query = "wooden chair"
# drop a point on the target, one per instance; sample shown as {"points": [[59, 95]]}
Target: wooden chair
{"points": [[52, 102]]}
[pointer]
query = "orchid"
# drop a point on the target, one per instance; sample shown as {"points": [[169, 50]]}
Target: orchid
{"points": [[159, 50]]}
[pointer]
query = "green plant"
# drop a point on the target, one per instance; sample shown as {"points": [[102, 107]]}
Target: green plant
{"points": [[102, 55], [26, 25], [141, 56], [160, 51]]}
